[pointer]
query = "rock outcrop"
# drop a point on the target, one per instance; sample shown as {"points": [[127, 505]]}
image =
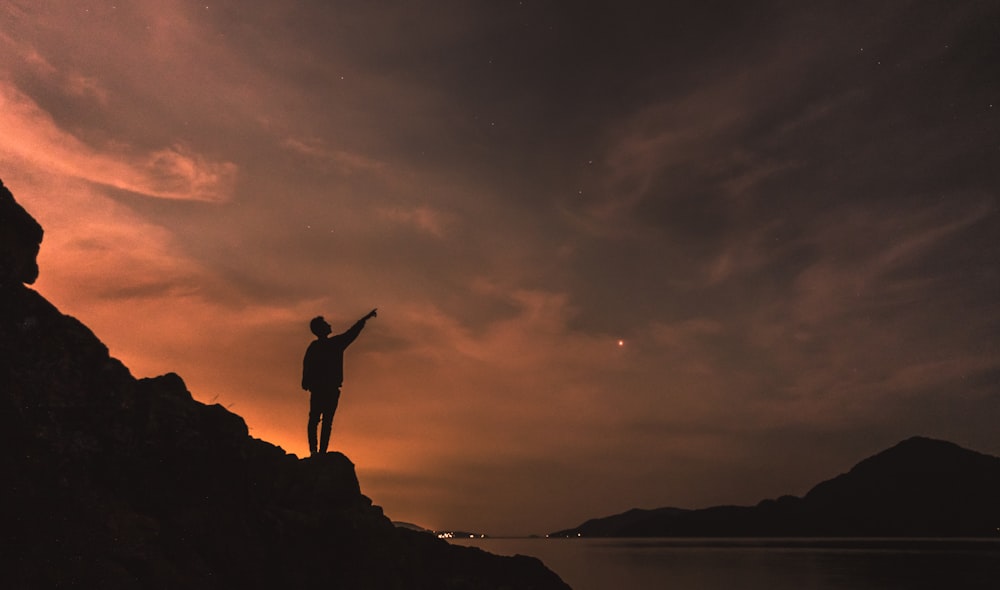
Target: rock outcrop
{"points": [[115, 482], [20, 238]]}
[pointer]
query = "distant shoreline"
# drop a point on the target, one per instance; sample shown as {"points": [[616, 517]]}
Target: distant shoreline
{"points": [[811, 542]]}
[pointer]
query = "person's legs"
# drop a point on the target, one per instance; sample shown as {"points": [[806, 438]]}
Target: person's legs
{"points": [[328, 411], [315, 412]]}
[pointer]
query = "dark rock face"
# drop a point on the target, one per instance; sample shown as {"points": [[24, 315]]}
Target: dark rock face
{"points": [[919, 488], [20, 237], [113, 482]]}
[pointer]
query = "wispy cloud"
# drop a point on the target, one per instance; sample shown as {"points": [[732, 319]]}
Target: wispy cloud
{"points": [[342, 161], [173, 172], [423, 218]]}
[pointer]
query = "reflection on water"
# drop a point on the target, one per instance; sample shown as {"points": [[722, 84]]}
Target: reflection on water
{"points": [[771, 564]]}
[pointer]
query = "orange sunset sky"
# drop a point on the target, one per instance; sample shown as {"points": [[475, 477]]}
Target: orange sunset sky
{"points": [[633, 254]]}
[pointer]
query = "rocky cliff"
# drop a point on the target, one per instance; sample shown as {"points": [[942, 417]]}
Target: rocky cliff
{"points": [[115, 482]]}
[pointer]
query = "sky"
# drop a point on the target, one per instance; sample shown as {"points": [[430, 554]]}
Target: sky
{"points": [[626, 254]]}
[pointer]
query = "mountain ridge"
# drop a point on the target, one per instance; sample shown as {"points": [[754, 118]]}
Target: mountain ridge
{"points": [[920, 487]]}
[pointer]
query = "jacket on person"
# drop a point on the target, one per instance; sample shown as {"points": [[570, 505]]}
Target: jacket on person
{"points": [[323, 365]]}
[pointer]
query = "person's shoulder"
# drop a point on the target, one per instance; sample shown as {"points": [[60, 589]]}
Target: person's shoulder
{"points": [[341, 340]]}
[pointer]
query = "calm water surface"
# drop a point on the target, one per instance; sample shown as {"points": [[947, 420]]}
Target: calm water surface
{"points": [[771, 564]]}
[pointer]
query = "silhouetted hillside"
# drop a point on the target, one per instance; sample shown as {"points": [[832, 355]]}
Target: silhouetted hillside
{"points": [[114, 482], [918, 488]]}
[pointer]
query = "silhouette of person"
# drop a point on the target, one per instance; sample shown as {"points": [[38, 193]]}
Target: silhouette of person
{"points": [[323, 374]]}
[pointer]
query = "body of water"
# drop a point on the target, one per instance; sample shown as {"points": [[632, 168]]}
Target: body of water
{"points": [[765, 564]]}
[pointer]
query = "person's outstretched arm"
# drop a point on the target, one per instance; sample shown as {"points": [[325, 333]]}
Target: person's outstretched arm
{"points": [[354, 330]]}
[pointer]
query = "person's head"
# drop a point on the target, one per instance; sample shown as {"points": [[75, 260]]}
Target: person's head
{"points": [[319, 327]]}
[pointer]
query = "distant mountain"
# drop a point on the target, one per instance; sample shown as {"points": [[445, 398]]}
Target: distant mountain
{"points": [[920, 487], [114, 482]]}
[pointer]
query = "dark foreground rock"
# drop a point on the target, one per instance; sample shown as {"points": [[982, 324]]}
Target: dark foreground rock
{"points": [[115, 482]]}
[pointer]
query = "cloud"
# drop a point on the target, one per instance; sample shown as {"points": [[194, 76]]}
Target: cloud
{"points": [[423, 218], [342, 161], [695, 145], [173, 172], [864, 251], [69, 82]]}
